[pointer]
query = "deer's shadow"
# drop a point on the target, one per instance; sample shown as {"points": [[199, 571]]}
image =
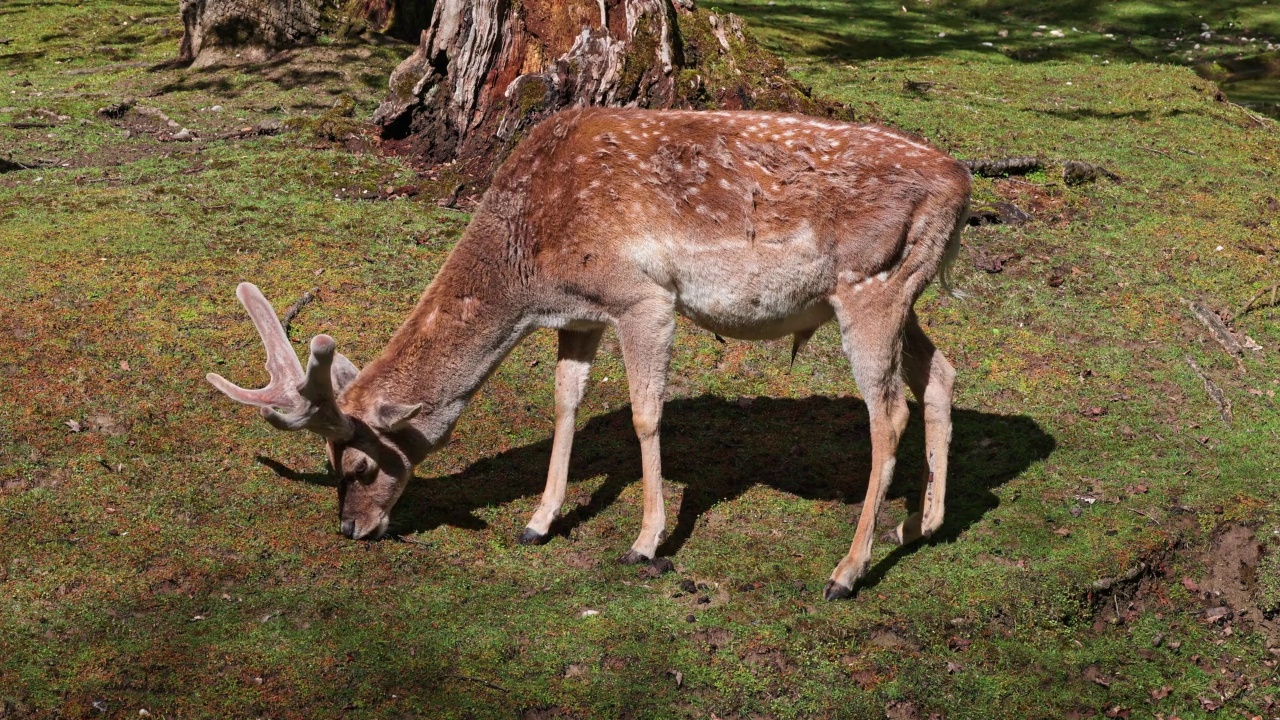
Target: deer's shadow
{"points": [[814, 447]]}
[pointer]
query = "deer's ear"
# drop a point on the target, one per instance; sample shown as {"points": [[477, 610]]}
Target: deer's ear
{"points": [[343, 371], [390, 417]]}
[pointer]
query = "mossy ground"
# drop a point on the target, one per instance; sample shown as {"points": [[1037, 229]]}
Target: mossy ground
{"points": [[177, 555]]}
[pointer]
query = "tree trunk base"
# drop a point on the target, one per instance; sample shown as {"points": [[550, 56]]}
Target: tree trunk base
{"points": [[244, 31], [486, 70]]}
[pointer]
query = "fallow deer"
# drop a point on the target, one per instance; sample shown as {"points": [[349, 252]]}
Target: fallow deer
{"points": [[753, 225]]}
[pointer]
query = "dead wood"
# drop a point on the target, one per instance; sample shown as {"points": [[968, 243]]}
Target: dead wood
{"points": [[1007, 166], [1001, 213], [1214, 392], [292, 313], [1132, 574], [1077, 172], [1274, 290], [1219, 329]]}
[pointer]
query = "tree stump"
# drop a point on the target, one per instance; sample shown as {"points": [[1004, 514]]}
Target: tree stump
{"points": [[247, 31], [485, 70], [216, 31]]}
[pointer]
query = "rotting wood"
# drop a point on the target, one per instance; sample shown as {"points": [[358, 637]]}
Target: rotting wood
{"points": [[1078, 172], [292, 313], [1132, 574], [1219, 329], [1214, 392], [989, 168]]}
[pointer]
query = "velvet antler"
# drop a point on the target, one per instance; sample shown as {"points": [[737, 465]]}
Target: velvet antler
{"points": [[306, 401]]}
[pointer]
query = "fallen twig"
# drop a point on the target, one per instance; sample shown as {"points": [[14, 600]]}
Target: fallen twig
{"points": [[1154, 150], [1215, 392], [289, 315], [1261, 121], [1219, 329], [485, 683], [1107, 583], [1145, 515], [1274, 289]]}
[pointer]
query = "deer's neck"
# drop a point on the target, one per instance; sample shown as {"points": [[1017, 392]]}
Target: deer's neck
{"points": [[459, 332]]}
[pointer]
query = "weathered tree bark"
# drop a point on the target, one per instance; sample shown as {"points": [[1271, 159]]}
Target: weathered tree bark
{"points": [[216, 31], [484, 70], [244, 31]]}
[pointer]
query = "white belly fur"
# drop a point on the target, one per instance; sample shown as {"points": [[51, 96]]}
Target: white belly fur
{"points": [[745, 289]]}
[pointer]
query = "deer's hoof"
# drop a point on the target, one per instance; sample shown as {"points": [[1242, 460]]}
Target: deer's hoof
{"points": [[632, 558], [893, 537], [836, 591], [532, 537]]}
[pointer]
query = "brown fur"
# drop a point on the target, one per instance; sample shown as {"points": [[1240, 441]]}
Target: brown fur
{"points": [[754, 225]]}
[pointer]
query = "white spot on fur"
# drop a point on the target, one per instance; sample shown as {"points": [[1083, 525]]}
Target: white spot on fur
{"points": [[882, 276]]}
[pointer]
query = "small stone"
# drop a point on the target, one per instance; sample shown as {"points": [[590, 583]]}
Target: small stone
{"points": [[216, 108], [183, 135], [690, 618]]}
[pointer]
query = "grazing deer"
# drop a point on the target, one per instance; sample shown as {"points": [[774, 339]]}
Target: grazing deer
{"points": [[753, 225]]}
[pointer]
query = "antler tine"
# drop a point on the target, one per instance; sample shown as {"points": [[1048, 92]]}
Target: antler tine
{"points": [[317, 409], [282, 363]]}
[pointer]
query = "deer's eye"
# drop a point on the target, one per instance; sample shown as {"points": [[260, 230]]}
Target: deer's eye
{"points": [[360, 467]]}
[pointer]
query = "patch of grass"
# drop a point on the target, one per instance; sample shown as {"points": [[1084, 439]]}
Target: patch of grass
{"points": [[178, 555]]}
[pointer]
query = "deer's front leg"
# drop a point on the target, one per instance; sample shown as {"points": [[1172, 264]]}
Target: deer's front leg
{"points": [[645, 334], [573, 367]]}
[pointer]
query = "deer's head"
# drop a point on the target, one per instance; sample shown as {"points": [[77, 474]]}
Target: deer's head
{"points": [[366, 444]]}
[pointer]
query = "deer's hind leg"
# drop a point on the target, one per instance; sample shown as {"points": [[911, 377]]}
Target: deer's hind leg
{"points": [[931, 379], [872, 317], [573, 366]]}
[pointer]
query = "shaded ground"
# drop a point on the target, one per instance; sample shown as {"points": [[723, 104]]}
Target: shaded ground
{"points": [[1109, 546]]}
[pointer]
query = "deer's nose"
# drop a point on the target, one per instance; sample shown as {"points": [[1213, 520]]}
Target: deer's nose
{"points": [[349, 528]]}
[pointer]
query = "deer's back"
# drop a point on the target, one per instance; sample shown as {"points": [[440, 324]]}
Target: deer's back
{"points": [[731, 210]]}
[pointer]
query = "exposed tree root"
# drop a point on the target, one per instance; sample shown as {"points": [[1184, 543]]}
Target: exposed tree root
{"points": [[1214, 392], [1218, 328]]}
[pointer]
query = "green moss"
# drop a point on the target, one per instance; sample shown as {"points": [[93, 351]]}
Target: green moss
{"points": [[533, 95], [165, 568]]}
